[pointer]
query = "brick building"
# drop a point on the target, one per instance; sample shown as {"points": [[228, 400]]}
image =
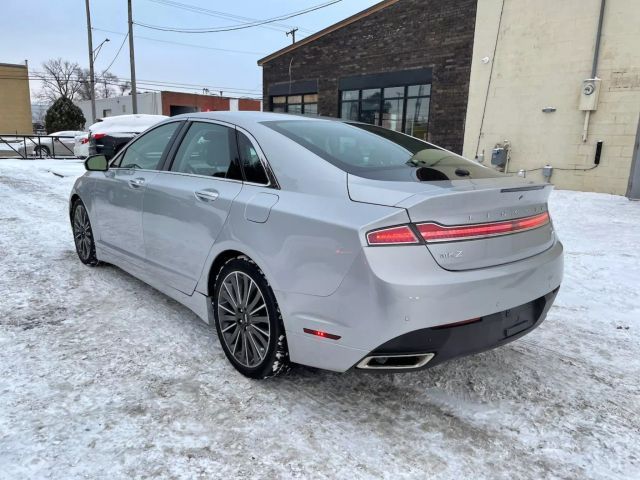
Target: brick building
{"points": [[402, 64], [482, 76]]}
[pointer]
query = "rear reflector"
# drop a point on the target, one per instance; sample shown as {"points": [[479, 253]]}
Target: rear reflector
{"points": [[402, 235], [433, 232], [319, 333]]}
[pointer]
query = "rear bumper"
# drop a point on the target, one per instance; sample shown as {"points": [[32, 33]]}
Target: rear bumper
{"points": [[449, 342], [390, 292]]}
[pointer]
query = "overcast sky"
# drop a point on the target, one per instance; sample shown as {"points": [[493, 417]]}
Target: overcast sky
{"points": [[38, 30]]}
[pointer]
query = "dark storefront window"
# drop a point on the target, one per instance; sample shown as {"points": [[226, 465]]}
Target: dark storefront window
{"points": [[296, 104], [403, 109]]}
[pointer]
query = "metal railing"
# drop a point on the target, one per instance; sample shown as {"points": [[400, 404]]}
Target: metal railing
{"points": [[36, 146]]}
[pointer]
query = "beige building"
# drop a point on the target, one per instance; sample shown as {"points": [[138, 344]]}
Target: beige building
{"points": [[530, 59], [15, 100]]}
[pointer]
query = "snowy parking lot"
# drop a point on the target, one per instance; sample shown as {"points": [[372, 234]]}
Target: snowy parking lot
{"points": [[103, 377]]}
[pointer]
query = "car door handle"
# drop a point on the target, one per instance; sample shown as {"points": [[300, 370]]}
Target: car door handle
{"points": [[136, 182], [207, 195]]}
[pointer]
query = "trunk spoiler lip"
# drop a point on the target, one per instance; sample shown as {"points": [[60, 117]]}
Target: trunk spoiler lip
{"points": [[523, 189]]}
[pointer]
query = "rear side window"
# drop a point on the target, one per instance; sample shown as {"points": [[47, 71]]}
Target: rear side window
{"points": [[253, 169], [145, 153], [378, 153], [208, 149]]}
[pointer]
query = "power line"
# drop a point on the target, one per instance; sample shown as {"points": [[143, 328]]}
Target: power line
{"points": [[148, 84], [170, 83], [238, 27], [180, 43], [119, 50], [224, 15]]}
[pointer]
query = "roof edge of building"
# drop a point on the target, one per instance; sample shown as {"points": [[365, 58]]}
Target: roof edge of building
{"points": [[332, 28], [14, 65]]}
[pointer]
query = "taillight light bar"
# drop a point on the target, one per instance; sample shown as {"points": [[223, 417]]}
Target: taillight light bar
{"points": [[98, 136], [401, 235], [432, 232]]}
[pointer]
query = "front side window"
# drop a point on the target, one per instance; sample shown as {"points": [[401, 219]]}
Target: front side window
{"points": [[145, 153], [374, 152], [253, 169], [208, 149]]}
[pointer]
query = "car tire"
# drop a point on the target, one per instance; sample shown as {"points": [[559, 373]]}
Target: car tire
{"points": [[41, 151], [83, 234], [248, 320]]}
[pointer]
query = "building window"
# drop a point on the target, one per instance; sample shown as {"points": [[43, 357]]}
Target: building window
{"points": [[296, 104], [403, 109]]}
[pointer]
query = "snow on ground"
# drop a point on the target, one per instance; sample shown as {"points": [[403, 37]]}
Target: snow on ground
{"points": [[103, 377]]}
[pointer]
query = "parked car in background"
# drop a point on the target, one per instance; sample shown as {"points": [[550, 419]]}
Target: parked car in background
{"points": [[81, 145], [59, 144], [110, 134], [328, 243]]}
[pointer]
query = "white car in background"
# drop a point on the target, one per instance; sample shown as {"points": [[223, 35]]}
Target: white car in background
{"points": [[56, 144], [81, 145]]}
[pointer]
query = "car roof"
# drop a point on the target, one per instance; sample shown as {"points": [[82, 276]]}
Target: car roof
{"points": [[247, 119]]}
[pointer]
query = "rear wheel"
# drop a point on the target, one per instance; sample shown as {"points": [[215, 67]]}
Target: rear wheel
{"points": [[41, 151], [248, 320], [83, 234]]}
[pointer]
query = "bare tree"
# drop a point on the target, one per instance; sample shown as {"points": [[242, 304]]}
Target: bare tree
{"points": [[85, 86], [125, 87], [107, 85], [60, 78]]}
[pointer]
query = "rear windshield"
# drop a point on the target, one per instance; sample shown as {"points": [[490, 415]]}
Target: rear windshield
{"points": [[375, 152]]}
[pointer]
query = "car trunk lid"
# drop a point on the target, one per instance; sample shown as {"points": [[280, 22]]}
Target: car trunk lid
{"points": [[509, 212]]}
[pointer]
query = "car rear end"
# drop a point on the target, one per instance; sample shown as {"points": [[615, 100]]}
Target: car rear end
{"points": [[471, 261], [477, 266]]}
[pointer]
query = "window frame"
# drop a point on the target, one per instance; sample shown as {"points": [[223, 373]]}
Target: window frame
{"points": [[182, 132], [117, 159], [406, 97], [233, 151], [302, 103]]}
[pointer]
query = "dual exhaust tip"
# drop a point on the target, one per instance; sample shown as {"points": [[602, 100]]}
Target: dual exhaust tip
{"points": [[395, 362]]}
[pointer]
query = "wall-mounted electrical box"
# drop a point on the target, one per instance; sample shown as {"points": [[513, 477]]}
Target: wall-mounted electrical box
{"points": [[500, 154], [589, 94]]}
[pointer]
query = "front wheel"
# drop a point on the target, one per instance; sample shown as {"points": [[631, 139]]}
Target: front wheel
{"points": [[248, 320], [83, 234]]}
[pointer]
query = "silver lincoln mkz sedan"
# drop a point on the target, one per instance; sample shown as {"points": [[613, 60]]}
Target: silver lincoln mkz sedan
{"points": [[321, 242]]}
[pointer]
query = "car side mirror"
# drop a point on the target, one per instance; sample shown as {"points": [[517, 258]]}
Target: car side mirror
{"points": [[96, 163]]}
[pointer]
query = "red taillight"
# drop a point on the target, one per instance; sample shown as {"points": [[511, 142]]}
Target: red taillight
{"points": [[98, 136], [402, 235], [433, 232], [84, 140], [319, 333]]}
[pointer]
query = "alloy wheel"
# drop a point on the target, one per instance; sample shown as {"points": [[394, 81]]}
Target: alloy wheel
{"points": [[82, 232], [243, 319]]}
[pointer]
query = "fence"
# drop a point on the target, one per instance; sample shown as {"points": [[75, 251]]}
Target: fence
{"points": [[36, 146]]}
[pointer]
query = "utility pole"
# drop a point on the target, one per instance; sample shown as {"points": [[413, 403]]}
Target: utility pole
{"points": [[293, 34], [134, 93], [92, 81]]}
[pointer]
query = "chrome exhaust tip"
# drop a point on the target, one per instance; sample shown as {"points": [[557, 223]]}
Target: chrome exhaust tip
{"points": [[395, 362]]}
